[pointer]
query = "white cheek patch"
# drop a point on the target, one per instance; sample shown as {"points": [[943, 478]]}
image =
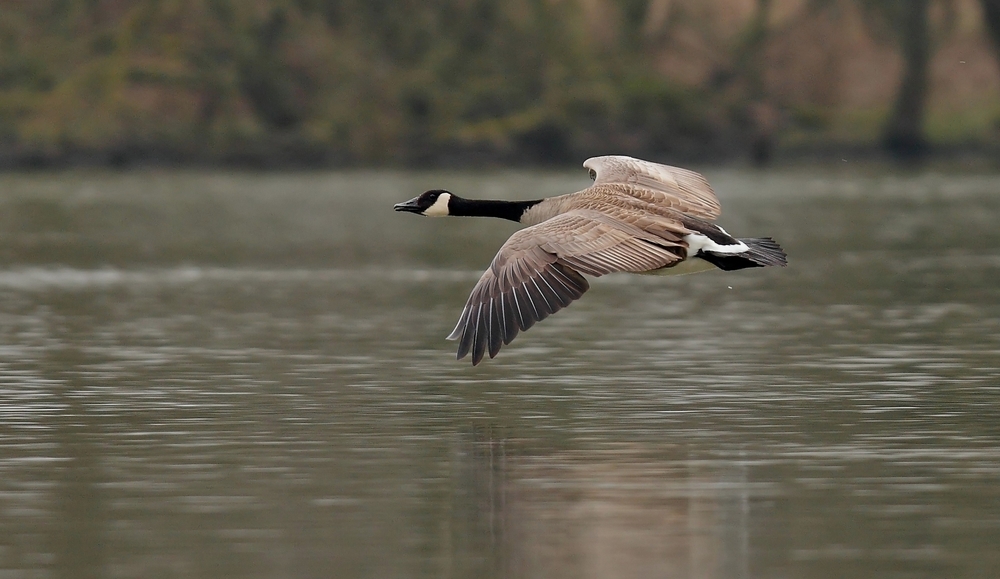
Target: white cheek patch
{"points": [[698, 242], [440, 207]]}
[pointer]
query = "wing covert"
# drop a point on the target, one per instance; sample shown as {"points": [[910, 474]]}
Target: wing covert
{"points": [[690, 192]]}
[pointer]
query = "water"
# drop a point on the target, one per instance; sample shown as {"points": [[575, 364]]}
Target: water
{"points": [[244, 375]]}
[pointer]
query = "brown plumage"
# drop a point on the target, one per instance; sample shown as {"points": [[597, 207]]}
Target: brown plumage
{"points": [[637, 217]]}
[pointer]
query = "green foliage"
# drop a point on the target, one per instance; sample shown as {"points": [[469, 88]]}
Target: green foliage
{"points": [[331, 81], [379, 81]]}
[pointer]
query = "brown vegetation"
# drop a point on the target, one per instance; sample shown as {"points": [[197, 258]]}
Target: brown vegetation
{"points": [[405, 81]]}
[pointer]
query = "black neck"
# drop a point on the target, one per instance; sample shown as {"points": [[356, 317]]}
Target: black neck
{"points": [[512, 210]]}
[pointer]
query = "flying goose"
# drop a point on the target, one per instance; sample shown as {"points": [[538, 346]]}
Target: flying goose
{"points": [[637, 217]]}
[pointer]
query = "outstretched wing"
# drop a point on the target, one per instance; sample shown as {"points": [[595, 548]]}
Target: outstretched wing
{"points": [[538, 272], [679, 189]]}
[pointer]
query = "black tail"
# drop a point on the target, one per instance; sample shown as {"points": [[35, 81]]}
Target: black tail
{"points": [[762, 251], [765, 251]]}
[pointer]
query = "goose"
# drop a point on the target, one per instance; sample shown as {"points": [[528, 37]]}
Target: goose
{"points": [[637, 217]]}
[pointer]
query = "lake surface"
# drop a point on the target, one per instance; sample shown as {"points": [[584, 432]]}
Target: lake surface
{"points": [[213, 374]]}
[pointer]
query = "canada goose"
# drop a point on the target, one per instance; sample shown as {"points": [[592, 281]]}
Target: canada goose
{"points": [[637, 217]]}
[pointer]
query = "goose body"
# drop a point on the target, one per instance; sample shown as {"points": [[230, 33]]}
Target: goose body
{"points": [[637, 217]]}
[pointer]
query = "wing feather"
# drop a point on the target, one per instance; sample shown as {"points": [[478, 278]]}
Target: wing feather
{"points": [[538, 272], [674, 187]]}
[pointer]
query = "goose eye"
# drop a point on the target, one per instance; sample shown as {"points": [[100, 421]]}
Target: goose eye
{"points": [[593, 175]]}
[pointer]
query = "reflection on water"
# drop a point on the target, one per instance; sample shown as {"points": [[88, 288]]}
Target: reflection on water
{"points": [[607, 513], [210, 375]]}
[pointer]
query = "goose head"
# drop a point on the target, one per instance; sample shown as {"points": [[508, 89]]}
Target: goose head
{"points": [[433, 203]]}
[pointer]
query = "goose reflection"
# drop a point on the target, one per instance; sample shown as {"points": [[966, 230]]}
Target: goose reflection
{"points": [[618, 513]]}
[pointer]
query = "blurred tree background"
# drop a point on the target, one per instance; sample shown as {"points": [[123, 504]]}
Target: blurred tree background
{"points": [[447, 82]]}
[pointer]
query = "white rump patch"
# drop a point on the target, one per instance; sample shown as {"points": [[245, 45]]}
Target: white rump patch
{"points": [[698, 242], [440, 207]]}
